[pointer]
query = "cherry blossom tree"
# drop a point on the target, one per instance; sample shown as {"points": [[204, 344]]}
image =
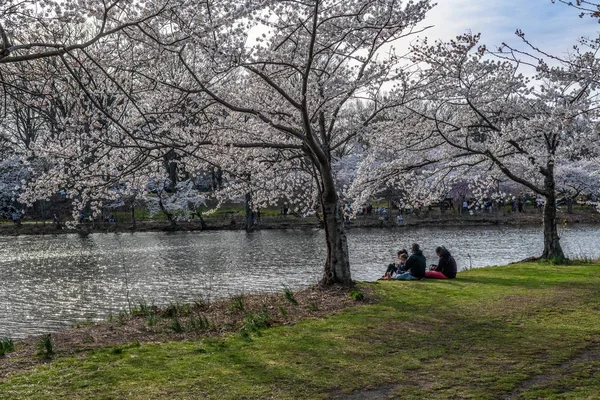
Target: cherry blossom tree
{"points": [[578, 178], [32, 29], [181, 204], [481, 118], [272, 110], [586, 8], [66, 99], [279, 106]]}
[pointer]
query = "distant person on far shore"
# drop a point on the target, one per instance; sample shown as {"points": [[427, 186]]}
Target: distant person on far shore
{"points": [[520, 205], [399, 220], [446, 266]]}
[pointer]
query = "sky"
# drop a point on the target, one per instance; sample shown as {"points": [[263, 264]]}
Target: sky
{"points": [[553, 27]]}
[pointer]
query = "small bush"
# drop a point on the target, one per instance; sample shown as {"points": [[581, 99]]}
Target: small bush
{"points": [[6, 346], [122, 318], [176, 325], [45, 347], [199, 304], [283, 311], [142, 310], [171, 311], [559, 260], [199, 324], [87, 322], [237, 303], [184, 309], [356, 295], [289, 295], [582, 259], [151, 320], [253, 323]]}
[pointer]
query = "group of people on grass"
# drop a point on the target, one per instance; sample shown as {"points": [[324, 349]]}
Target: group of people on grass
{"points": [[414, 267]]}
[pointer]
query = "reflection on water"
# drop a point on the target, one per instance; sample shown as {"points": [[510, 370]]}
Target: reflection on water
{"points": [[50, 282]]}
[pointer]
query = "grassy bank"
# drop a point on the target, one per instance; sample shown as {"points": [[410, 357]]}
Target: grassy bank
{"points": [[520, 331]]}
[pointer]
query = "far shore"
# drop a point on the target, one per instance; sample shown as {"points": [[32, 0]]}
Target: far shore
{"points": [[237, 222]]}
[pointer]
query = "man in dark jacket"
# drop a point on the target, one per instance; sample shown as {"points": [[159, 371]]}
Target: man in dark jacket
{"points": [[415, 265]]}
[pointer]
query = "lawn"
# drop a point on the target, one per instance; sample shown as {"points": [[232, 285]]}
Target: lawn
{"points": [[524, 331]]}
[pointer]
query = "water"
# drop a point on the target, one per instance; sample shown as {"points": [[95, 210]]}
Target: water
{"points": [[48, 282]]}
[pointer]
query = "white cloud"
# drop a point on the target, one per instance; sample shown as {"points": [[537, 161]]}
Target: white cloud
{"points": [[553, 27]]}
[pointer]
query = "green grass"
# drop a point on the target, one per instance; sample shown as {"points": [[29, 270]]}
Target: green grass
{"points": [[140, 215], [524, 331]]}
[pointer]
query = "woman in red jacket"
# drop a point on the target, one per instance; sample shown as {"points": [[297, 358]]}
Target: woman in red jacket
{"points": [[446, 266]]}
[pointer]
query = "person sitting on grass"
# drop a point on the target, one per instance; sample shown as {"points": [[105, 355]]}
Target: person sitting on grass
{"points": [[396, 268], [415, 265], [446, 266]]}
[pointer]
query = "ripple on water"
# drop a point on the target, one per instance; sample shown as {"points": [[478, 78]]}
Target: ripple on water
{"points": [[50, 282]]}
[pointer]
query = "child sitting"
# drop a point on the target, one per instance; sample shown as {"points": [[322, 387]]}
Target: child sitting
{"points": [[397, 267]]}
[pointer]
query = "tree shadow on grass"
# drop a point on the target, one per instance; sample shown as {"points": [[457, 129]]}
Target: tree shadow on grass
{"points": [[528, 282]]}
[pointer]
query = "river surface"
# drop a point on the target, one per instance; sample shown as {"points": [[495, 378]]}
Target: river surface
{"points": [[50, 282]]}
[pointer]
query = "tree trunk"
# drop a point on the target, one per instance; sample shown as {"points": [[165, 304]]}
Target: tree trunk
{"points": [[171, 167], [337, 264], [173, 223], [133, 215], [217, 178], [552, 249], [250, 219], [203, 225]]}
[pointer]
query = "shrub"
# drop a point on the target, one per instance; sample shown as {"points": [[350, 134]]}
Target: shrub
{"points": [[199, 324], [253, 323], [237, 303], [142, 310], [151, 320], [199, 304], [171, 311], [122, 318], [176, 325], [356, 295], [45, 347], [289, 295], [283, 311], [6, 346]]}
